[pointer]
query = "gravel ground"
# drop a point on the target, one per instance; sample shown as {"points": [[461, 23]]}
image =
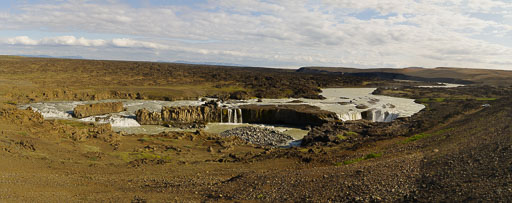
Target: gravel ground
{"points": [[260, 136]]}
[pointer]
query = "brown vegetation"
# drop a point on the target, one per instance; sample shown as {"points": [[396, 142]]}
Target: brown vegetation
{"points": [[36, 79]]}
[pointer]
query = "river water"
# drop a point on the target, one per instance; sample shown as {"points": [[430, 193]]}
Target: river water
{"points": [[342, 101]]}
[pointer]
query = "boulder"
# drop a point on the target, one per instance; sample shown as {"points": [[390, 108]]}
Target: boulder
{"points": [[82, 111], [145, 117], [361, 106], [239, 95]]}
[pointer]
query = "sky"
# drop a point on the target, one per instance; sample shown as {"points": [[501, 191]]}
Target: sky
{"points": [[268, 33]]}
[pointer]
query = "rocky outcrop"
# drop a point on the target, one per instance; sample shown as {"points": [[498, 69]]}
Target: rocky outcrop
{"points": [[191, 114], [181, 114], [145, 117], [303, 115], [82, 111]]}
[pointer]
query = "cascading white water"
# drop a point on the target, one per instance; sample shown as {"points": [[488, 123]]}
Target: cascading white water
{"points": [[229, 115], [123, 122], [115, 121], [378, 115], [342, 101], [235, 116], [240, 113], [350, 116], [391, 117]]}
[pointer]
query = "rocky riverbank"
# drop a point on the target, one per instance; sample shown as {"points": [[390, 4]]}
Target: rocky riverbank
{"points": [[259, 136]]}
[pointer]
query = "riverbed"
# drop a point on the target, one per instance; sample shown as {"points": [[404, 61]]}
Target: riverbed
{"points": [[347, 103]]}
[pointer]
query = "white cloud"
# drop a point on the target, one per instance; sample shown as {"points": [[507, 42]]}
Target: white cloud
{"points": [[73, 41], [126, 42], [302, 32], [22, 40]]}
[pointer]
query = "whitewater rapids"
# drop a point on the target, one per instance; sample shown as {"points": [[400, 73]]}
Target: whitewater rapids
{"points": [[342, 101]]}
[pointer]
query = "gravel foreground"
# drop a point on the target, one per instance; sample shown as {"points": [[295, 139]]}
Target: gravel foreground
{"points": [[260, 136]]}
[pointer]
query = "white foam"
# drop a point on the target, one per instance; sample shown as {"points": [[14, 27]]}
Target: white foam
{"points": [[442, 85], [350, 115], [88, 119], [403, 107], [51, 112], [123, 122], [381, 105]]}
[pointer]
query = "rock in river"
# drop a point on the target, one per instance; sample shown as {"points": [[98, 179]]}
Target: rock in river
{"points": [[82, 111]]}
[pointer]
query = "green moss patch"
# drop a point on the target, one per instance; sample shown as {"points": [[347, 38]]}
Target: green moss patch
{"points": [[425, 135], [486, 99], [417, 137], [366, 157]]}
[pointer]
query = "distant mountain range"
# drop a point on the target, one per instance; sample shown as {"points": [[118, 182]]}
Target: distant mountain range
{"points": [[159, 61], [48, 56], [206, 63]]}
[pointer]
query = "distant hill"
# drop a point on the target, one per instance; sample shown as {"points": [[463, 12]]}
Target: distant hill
{"points": [[207, 63], [48, 56], [439, 74]]}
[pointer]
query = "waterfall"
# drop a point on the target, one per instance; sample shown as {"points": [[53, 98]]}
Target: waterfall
{"points": [[235, 118], [234, 115], [391, 117], [378, 115], [240, 113], [350, 116], [229, 115]]}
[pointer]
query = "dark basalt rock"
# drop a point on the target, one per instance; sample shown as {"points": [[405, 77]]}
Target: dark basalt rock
{"points": [[302, 115], [361, 106], [296, 101], [182, 115]]}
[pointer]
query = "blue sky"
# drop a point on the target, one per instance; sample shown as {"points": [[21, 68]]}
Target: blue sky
{"points": [[273, 33]]}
